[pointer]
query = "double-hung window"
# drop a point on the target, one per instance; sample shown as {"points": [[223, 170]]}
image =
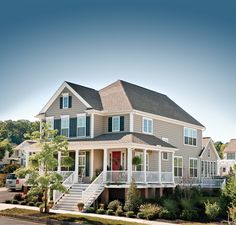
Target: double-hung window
{"points": [[65, 101], [81, 125], [50, 122], [65, 126], [115, 123], [178, 166], [190, 136], [147, 126], [230, 155], [193, 167]]}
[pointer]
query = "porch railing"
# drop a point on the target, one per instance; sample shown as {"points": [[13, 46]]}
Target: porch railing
{"points": [[117, 176]]}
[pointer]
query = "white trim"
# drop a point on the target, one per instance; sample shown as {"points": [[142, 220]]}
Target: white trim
{"points": [[66, 117], [92, 125], [191, 158], [113, 118], [65, 95], [84, 116], [214, 149], [58, 92], [148, 119], [131, 122], [190, 137]]}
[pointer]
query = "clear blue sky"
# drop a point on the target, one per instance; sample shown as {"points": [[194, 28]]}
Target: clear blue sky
{"points": [[185, 49]]}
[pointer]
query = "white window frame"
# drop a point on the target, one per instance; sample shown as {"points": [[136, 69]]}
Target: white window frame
{"points": [[148, 120], [81, 115], [113, 120], [50, 122], [195, 159], [65, 96], [231, 155], [167, 156], [68, 118], [190, 132], [178, 157]]}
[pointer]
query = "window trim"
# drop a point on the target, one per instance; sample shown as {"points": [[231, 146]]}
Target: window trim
{"points": [[182, 168], [113, 118], [191, 158], [50, 118], [191, 137], [65, 95], [162, 156], [147, 132], [81, 115], [67, 117]]}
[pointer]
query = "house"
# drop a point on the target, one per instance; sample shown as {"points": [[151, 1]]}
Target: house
{"points": [[227, 164], [106, 129]]}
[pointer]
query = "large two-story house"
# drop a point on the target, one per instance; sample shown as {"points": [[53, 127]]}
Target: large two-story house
{"points": [[108, 128]]}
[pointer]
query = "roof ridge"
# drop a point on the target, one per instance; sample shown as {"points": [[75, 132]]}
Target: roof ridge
{"points": [[70, 83]]}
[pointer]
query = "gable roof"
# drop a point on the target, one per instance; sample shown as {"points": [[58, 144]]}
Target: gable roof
{"points": [[149, 101], [231, 146], [206, 141]]}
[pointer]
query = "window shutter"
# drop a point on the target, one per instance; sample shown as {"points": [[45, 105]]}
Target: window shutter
{"points": [[57, 126], [87, 126], [61, 102], [122, 123], [73, 127], [87, 165], [110, 124], [70, 101]]}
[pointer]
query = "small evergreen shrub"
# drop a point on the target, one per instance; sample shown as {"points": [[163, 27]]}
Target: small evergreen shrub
{"points": [[31, 204], [172, 209], [110, 212], [119, 211], [211, 210], [15, 202], [23, 203], [114, 205], [165, 214], [18, 197], [8, 201], [90, 210], [101, 211], [130, 214], [189, 214], [141, 215]]}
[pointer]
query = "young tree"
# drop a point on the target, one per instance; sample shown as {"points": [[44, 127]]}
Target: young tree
{"points": [[40, 177], [4, 147]]}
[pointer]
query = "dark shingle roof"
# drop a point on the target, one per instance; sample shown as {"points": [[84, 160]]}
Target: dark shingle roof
{"points": [[91, 96], [129, 137], [153, 102]]}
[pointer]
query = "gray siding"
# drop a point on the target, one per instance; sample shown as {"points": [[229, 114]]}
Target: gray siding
{"points": [[99, 125], [213, 156], [126, 122]]}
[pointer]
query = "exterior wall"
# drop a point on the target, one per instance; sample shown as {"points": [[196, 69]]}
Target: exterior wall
{"points": [[126, 123], [98, 161], [153, 160], [77, 107], [166, 165], [114, 99], [99, 125], [213, 156]]}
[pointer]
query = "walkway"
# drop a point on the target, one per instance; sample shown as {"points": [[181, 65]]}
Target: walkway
{"points": [[9, 206]]}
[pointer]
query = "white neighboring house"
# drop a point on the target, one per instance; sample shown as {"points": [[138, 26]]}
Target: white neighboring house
{"points": [[5, 160], [226, 164]]}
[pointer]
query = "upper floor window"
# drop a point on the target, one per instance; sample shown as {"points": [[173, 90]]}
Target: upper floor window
{"points": [[65, 126], [81, 125], [230, 155], [178, 166], [65, 101], [147, 126], [116, 124], [190, 136], [50, 122], [193, 167]]}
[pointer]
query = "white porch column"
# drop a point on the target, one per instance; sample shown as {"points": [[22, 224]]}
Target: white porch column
{"points": [[159, 165], [173, 168], [92, 125], [26, 159], [129, 164], [76, 166], [131, 122], [104, 164], [145, 165], [91, 163], [59, 162]]}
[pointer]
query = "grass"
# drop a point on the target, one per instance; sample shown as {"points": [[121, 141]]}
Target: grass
{"points": [[81, 219]]}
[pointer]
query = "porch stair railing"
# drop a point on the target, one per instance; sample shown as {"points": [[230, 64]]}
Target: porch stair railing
{"points": [[68, 182], [93, 191]]}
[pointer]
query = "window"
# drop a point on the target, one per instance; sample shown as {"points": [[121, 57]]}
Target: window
{"points": [[165, 139], [81, 125], [115, 123], [140, 167], [164, 155], [193, 167], [82, 163], [209, 153], [65, 126], [230, 155], [147, 126], [50, 122], [190, 136], [178, 166], [65, 101]]}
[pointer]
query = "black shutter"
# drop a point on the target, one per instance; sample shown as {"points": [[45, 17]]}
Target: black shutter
{"points": [[122, 123], [87, 165], [57, 126], [70, 101], [87, 126], [110, 124], [73, 127], [61, 102]]}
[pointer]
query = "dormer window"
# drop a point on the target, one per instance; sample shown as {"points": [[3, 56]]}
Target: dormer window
{"points": [[65, 102]]}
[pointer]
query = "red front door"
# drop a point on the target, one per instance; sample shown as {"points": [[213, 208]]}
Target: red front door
{"points": [[116, 160]]}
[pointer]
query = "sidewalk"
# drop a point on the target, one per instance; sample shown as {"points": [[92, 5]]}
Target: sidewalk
{"points": [[9, 206]]}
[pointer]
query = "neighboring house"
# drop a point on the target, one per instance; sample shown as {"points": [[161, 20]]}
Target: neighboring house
{"points": [[107, 128], [227, 164]]}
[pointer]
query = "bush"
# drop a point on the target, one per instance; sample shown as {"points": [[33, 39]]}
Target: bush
{"points": [[114, 205], [23, 203], [141, 215], [232, 213], [150, 211], [189, 214], [101, 211], [211, 210], [172, 208], [130, 214], [90, 210], [37, 204], [31, 204], [10, 168], [8, 201], [119, 211], [18, 197], [15, 202], [165, 214], [110, 212]]}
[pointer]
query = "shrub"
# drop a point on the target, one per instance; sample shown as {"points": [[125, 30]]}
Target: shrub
{"points": [[23, 203], [232, 213], [31, 204], [90, 210], [150, 211], [114, 205], [130, 214], [8, 201], [119, 211], [211, 210], [165, 214], [140, 215], [172, 208], [18, 197], [101, 211], [10, 168], [133, 200], [189, 214], [15, 202], [37, 204], [110, 212]]}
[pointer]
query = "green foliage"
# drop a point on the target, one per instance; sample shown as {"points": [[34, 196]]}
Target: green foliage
{"points": [[5, 146], [101, 211], [232, 213], [8, 201], [211, 210], [130, 214], [15, 202], [150, 211], [31, 204], [189, 214], [10, 168], [171, 207], [90, 210], [136, 160], [110, 212], [23, 203], [18, 197], [119, 211], [114, 205], [220, 148], [133, 199], [141, 215]]}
